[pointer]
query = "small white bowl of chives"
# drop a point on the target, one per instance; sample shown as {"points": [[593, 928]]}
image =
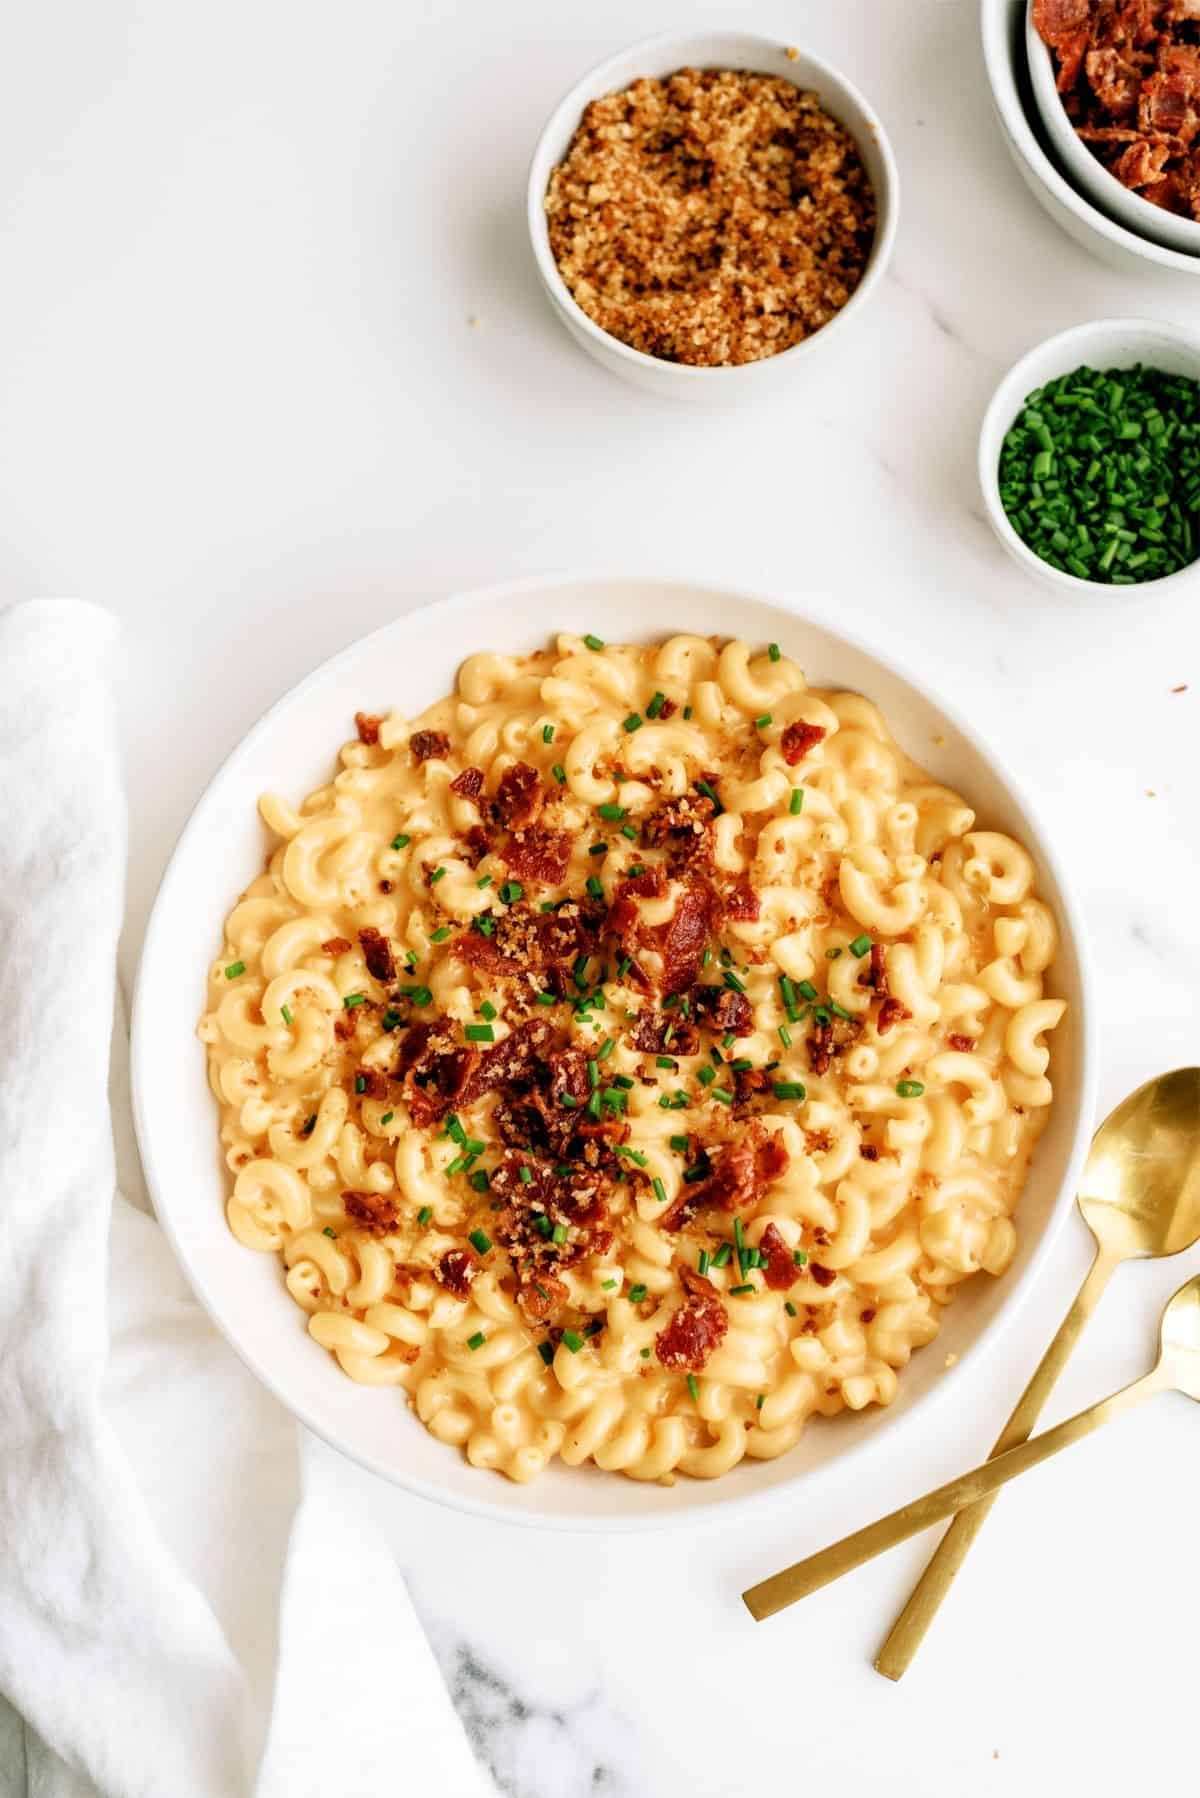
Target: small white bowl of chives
{"points": [[1091, 474]]}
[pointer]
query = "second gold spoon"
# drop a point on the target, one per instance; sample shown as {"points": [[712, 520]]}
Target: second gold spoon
{"points": [[1177, 1369], [1140, 1196]]}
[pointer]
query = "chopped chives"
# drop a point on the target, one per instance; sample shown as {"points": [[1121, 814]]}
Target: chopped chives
{"points": [[790, 1308], [440, 934], [910, 1089], [762, 722], [546, 1351], [572, 1341], [806, 990], [545, 998], [656, 705], [723, 1094], [525, 1175], [630, 831], [479, 1180], [360, 1083], [679, 1143], [839, 1011], [731, 980], [799, 1257], [634, 722], [613, 813], [859, 946], [595, 887], [789, 1089], [387, 1117], [234, 969], [547, 733], [637, 1293], [706, 1076], [693, 1386], [606, 1048], [785, 1036], [477, 1341], [559, 1233], [353, 999], [594, 642], [774, 651], [480, 1240], [511, 891], [487, 1010], [723, 1255], [609, 1285], [736, 1291], [438, 874], [660, 1191], [666, 1061], [332, 1234], [285, 1014], [485, 880], [710, 792], [559, 773], [401, 842], [703, 1263]]}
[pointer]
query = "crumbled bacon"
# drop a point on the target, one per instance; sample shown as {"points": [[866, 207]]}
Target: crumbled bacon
{"points": [[683, 827], [779, 1270], [723, 1009], [824, 1276], [829, 1040], [663, 1033], [740, 1173], [868, 1151], [695, 1330], [373, 1212], [532, 1207], [426, 745], [890, 1012], [336, 945], [525, 942], [539, 855], [468, 784], [964, 1044], [371, 1084], [798, 739], [345, 1026], [434, 1071], [750, 1084], [474, 844], [377, 953], [540, 1297], [510, 1059], [740, 902], [519, 797], [683, 939], [875, 975], [1141, 66], [456, 1269], [368, 728]]}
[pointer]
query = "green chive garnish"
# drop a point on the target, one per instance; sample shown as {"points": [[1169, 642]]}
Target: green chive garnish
{"points": [[910, 1089], [796, 803], [594, 642], [424, 1215], [572, 1341], [234, 969], [859, 946], [479, 1033], [477, 1341], [401, 842]]}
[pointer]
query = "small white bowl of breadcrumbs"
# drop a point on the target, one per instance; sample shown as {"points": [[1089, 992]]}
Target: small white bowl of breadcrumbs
{"points": [[707, 210]]}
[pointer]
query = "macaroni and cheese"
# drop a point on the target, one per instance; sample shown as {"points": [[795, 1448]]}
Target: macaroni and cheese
{"points": [[629, 1057]]}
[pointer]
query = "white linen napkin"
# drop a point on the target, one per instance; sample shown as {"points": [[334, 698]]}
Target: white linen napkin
{"points": [[110, 1651]]}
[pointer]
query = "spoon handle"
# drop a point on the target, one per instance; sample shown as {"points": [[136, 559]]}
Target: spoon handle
{"points": [[908, 1631], [818, 1570]]}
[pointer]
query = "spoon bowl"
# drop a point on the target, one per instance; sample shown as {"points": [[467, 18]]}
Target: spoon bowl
{"points": [[1140, 1190], [1179, 1339]]}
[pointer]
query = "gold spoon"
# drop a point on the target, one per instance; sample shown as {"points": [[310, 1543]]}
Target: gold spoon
{"points": [[1140, 1196], [1177, 1369]]}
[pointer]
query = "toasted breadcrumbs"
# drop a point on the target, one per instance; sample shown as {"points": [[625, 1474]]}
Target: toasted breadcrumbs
{"points": [[712, 217]]}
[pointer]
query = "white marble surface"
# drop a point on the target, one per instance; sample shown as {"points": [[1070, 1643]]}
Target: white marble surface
{"points": [[274, 366]]}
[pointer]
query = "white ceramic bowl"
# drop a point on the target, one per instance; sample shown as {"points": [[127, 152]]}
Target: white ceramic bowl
{"points": [[723, 50], [1087, 171], [292, 749], [1003, 29], [1104, 343]]}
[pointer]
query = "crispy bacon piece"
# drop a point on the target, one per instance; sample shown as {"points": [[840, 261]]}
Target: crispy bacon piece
{"points": [[455, 1271], [868, 1151], [540, 1297], [510, 1059], [651, 1037], [1114, 79], [779, 1270], [524, 942], [474, 844], [875, 973], [539, 855], [749, 1084], [828, 1040], [468, 784], [798, 739], [890, 1012], [1168, 101], [519, 797], [741, 903], [722, 1009], [741, 1172], [374, 1084], [345, 1026], [336, 945], [433, 1071], [532, 1207], [683, 827], [1142, 164], [824, 1276], [684, 937], [377, 953], [368, 728], [373, 1212], [964, 1044], [695, 1330], [428, 744]]}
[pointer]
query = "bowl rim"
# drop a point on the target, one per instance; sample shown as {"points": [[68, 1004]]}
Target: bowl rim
{"points": [[819, 614], [1004, 85], [1088, 167], [575, 99], [991, 437]]}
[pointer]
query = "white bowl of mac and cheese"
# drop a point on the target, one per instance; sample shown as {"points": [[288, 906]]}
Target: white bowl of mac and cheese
{"points": [[660, 1022]]}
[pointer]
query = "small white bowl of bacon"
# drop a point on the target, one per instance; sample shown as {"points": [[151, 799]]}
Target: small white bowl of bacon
{"points": [[1117, 86]]}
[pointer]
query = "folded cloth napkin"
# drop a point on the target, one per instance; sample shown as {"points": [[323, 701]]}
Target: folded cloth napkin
{"points": [[128, 1681]]}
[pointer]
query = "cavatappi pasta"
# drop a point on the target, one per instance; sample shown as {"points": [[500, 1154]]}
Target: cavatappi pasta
{"points": [[630, 1057]]}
